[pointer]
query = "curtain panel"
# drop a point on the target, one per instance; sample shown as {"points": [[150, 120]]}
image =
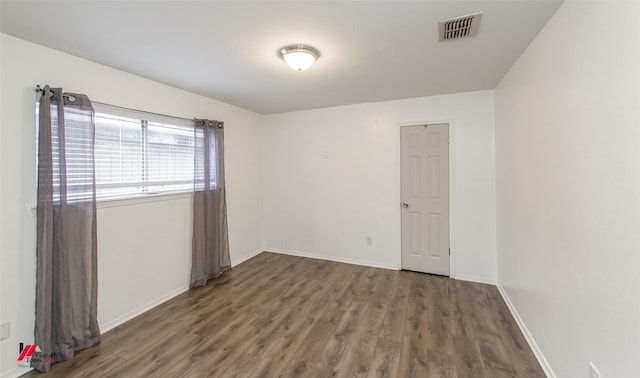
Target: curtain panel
{"points": [[210, 247], [66, 273]]}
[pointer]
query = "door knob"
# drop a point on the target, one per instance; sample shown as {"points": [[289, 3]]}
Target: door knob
{"points": [[405, 205]]}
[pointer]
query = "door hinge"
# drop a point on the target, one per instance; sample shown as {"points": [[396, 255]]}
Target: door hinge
{"points": [[449, 251]]}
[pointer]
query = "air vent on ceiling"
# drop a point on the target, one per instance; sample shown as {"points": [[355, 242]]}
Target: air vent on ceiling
{"points": [[459, 27]]}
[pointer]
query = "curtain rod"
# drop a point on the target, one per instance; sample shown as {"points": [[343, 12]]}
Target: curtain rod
{"points": [[39, 89]]}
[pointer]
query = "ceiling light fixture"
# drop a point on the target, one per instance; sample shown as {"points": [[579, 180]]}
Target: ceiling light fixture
{"points": [[299, 57]]}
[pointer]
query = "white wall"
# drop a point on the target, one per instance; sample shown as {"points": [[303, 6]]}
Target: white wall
{"points": [[144, 248], [568, 189], [327, 207]]}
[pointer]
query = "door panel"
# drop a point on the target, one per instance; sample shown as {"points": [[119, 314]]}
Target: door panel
{"points": [[425, 198]]}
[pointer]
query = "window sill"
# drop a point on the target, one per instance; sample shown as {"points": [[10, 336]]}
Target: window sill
{"points": [[131, 201]]}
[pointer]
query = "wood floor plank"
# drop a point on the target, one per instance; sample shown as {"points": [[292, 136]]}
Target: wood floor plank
{"points": [[440, 365], [461, 314], [241, 367], [328, 362], [285, 316], [522, 357], [438, 316], [302, 361], [467, 357], [281, 350], [385, 359], [357, 360], [267, 331], [495, 356], [332, 294], [218, 353], [413, 355], [396, 310], [160, 355]]}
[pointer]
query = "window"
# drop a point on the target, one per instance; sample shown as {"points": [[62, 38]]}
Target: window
{"points": [[138, 153]]}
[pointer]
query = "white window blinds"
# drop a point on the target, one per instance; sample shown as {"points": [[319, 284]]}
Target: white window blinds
{"points": [[138, 153]]}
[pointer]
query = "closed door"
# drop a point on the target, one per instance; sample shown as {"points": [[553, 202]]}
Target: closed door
{"points": [[425, 198]]}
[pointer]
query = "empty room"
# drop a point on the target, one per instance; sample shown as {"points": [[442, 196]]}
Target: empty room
{"points": [[320, 188]]}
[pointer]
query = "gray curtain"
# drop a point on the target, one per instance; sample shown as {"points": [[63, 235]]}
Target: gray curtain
{"points": [[210, 249], [66, 273]]}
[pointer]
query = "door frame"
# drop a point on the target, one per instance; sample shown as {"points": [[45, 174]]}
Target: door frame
{"points": [[452, 246]]}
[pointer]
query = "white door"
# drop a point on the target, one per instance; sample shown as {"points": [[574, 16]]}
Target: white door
{"points": [[425, 198]]}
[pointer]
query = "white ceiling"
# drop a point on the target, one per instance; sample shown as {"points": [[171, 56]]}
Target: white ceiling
{"points": [[370, 50]]}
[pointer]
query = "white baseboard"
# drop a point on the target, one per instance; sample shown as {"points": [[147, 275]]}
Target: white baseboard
{"points": [[144, 308], [482, 280], [372, 264], [527, 335], [15, 372], [245, 258]]}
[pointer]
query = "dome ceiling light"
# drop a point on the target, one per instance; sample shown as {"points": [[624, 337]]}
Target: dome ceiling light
{"points": [[299, 57]]}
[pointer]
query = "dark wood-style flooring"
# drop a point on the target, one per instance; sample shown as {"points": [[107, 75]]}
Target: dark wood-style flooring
{"points": [[284, 316]]}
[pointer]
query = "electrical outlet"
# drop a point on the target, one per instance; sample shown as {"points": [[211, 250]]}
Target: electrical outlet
{"points": [[369, 240], [593, 372], [5, 330]]}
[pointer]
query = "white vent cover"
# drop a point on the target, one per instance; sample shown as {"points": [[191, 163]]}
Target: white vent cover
{"points": [[459, 27]]}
